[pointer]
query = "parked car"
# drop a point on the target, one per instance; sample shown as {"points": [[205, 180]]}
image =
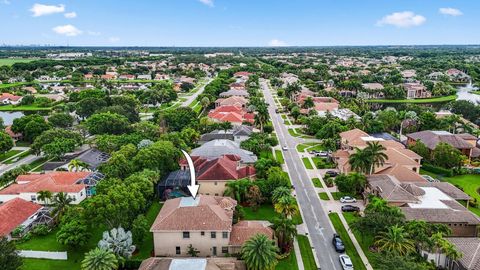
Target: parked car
{"points": [[338, 243], [322, 154], [350, 208], [429, 178], [331, 173], [313, 152], [345, 262], [347, 199], [284, 148]]}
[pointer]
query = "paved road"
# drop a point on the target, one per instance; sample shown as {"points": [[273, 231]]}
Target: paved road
{"points": [[192, 98], [314, 215], [28, 159]]}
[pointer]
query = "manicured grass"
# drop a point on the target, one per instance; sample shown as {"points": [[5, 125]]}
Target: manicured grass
{"points": [[317, 182], [322, 163], [17, 158], [36, 166], [11, 61], [22, 144], [349, 247], [267, 154], [267, 212], [279, 156], [9, 154], [289, 263], [284, 116], [363, 239], [323, 196], [291, 131], [307, 163], [24, 108], [307, 253], [420, 100], [301, 147], [145, 249]]}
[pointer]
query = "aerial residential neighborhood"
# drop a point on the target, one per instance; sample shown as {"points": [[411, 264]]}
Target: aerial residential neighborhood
{"points": [[226, 135]]}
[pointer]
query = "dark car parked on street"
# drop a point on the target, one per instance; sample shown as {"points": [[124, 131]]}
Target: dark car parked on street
{"points": [[338, 243]]}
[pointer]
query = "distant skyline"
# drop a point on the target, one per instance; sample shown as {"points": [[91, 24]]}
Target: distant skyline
{"points": [[231, 23]]}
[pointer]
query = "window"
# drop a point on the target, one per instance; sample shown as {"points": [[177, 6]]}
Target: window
{"points": [[224, 250], [186, 235], [177, 251], [202, 233], [215, 183], [225, 234], [33, 197], [81, 193], [213, 235], [216, 194]]}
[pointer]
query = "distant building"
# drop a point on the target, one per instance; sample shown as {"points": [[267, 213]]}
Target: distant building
{"points": [[7, 98], [416, 90]]}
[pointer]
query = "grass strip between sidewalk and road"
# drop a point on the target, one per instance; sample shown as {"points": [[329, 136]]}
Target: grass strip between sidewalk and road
{"points": [[307, 253]]}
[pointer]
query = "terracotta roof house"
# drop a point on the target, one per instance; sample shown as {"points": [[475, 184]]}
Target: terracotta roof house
{"points": [[246, 229], [466, 143], [13, 135], [426, 201], [155, 263], [242, 74], [27, 186], [233, 114], [205, 222], [403, 163], [14, 213], [232, 101], [126, 77], [211, 174], [416, 90], [7, 98], [108, 77]]}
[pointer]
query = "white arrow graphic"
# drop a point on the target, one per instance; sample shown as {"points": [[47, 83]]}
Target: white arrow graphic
{"points": [[193, 187]]}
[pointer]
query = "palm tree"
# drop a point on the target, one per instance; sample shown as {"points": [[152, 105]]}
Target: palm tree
{"points": [[395, 240], [286, 205], [285, 230], [260, 253], [375, 155], [99, 259], [261, 117], [44, 195], [205, 102], [77, 165], [237, 189], [60, 203], [280, 192], [358, 161], [225, 126]]}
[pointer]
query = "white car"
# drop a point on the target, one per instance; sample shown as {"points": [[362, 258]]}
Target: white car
{"points": [[345, 262], [347, 199], [284, 148]]}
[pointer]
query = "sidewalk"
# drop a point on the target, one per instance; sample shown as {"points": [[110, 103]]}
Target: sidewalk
{"points": [[51, 255], [298, 255]]}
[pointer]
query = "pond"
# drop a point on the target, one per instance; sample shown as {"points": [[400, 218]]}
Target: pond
{"points": [[8, 117], [464, 93]]}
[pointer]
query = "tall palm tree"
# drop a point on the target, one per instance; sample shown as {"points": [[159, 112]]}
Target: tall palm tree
{"points": [[285, 230], [286, 205], [395, 240], [261, 117], [260, 253], [375, 155], [99, 259], [280, 192], [205, 102], [76, 165], [358, 161], [60, 203], [44, 195]]}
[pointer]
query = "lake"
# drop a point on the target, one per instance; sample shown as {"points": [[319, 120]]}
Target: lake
{"points": [[464, 93]]}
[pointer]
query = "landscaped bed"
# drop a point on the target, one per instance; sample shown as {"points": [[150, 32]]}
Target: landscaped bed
{"points": [[267, 212]]}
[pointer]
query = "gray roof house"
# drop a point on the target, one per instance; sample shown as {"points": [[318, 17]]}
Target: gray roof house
{"points": [[233, 92], [237, 134], [218, 148]]}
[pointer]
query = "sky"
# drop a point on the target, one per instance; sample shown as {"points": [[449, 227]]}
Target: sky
{"points": [[239, 22]]}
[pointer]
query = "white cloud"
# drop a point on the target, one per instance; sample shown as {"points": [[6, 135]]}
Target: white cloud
{"points": [[93, 33], [450, 11], [70, 15], [402, 19], [277, 43], [113, 39], [67, 30], [207, 2], [41, 10]]}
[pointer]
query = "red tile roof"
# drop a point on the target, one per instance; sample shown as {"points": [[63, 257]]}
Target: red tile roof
{"points": [[14, 212], [229, 113], [244, 230], [54, 182], [5, 96], [222, 168]]}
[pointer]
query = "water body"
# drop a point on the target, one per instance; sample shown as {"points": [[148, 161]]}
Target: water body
{"points": [[8, 117], [464, 93]]}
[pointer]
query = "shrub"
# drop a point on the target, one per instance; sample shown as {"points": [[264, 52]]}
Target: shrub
{"points": [[41, 230], [438, 170]]}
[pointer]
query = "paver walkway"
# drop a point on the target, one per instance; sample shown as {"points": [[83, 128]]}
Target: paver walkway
{"points": [[52, 255]]}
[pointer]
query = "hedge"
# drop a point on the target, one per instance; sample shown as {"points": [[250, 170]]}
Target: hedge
{"points": [[438, 170]]}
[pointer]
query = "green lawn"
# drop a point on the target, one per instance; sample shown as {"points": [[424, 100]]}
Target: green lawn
{"points": [[307, 253], [267, 154], [279, 156], [266, 212], [24, 108], [291, 131], [301, 147], [11, 61], [364, 240], [289, 263], [9, 154], [17, 158], [36, 166], [307, 163], [322, 163], [317, 182], [419, 100], [75, 255], [349, 247], [323, 196]]}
